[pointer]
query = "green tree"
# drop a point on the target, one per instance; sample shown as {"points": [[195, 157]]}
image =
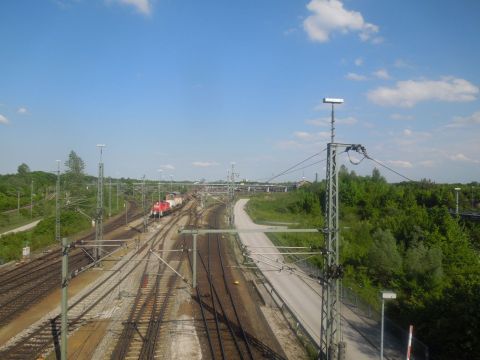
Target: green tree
{"points": [[75, 165], [383, 257], [23, 170]]}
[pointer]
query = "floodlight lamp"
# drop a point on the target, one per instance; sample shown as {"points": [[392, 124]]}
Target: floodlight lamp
{"points": [[101, 145], [457, 189], [332, 101]]}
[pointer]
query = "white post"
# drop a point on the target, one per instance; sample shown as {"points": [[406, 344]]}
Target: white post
{"points": [[386, 295]]}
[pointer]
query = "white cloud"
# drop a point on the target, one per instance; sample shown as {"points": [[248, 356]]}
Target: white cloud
{"points": [[400, 163], [3, 119], [330, 16], [462, 158], [22, 110], [382, 74], [410, 92], [359, 61], [167, 167], [142, 6], [204, 164], [326, 121], [355, 77], [407, 132], [401, 117], [460, 121]]}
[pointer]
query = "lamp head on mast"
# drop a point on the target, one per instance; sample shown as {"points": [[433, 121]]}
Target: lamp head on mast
{"points": [[333, 101]]}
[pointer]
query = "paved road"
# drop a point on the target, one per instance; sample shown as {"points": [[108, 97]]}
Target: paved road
{"points": [[22, 228], [302, 295]]}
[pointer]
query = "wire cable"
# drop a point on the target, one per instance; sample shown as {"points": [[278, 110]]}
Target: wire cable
{"points": [[363, 151], [306, 166], [388, 168], [294, 166]]}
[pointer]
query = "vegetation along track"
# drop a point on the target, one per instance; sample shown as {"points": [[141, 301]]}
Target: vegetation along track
{"points": [[45, 334], [225, 330], [25, 285], [141, 332]]}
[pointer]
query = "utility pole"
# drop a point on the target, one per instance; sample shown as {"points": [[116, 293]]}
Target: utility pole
{"points": [[18, 201], [57, 205], [99, 215], [110, 197], [65, 280], [331, 347], [144, 205]]}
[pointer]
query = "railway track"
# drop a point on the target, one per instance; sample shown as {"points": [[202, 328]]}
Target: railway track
{"points": [[141, 332], [224, 326], [87, 306], [23, 286]]}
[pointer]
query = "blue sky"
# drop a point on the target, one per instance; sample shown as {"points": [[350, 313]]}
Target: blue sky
{"points": [[190, 86]]}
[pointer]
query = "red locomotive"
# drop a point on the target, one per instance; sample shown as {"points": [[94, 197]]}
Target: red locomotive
{"points": [[162, 208]]}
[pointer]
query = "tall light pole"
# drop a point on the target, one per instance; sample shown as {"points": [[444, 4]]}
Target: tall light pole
{"points": [[171, 183], [457, 190], [331, 346], [386, 295]]}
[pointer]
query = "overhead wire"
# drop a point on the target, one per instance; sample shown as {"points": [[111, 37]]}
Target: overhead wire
{"points": [[361, 150], [306, 166], [294, 166]]}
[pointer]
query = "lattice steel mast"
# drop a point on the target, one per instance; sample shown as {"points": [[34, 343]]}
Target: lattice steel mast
{"points": [[331, 346]]}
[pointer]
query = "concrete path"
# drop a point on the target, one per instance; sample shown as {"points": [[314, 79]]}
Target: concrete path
{"points": [[22, 228], [301, 294]]}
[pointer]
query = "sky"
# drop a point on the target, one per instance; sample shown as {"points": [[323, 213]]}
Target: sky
{"points": [[188, 87]]}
